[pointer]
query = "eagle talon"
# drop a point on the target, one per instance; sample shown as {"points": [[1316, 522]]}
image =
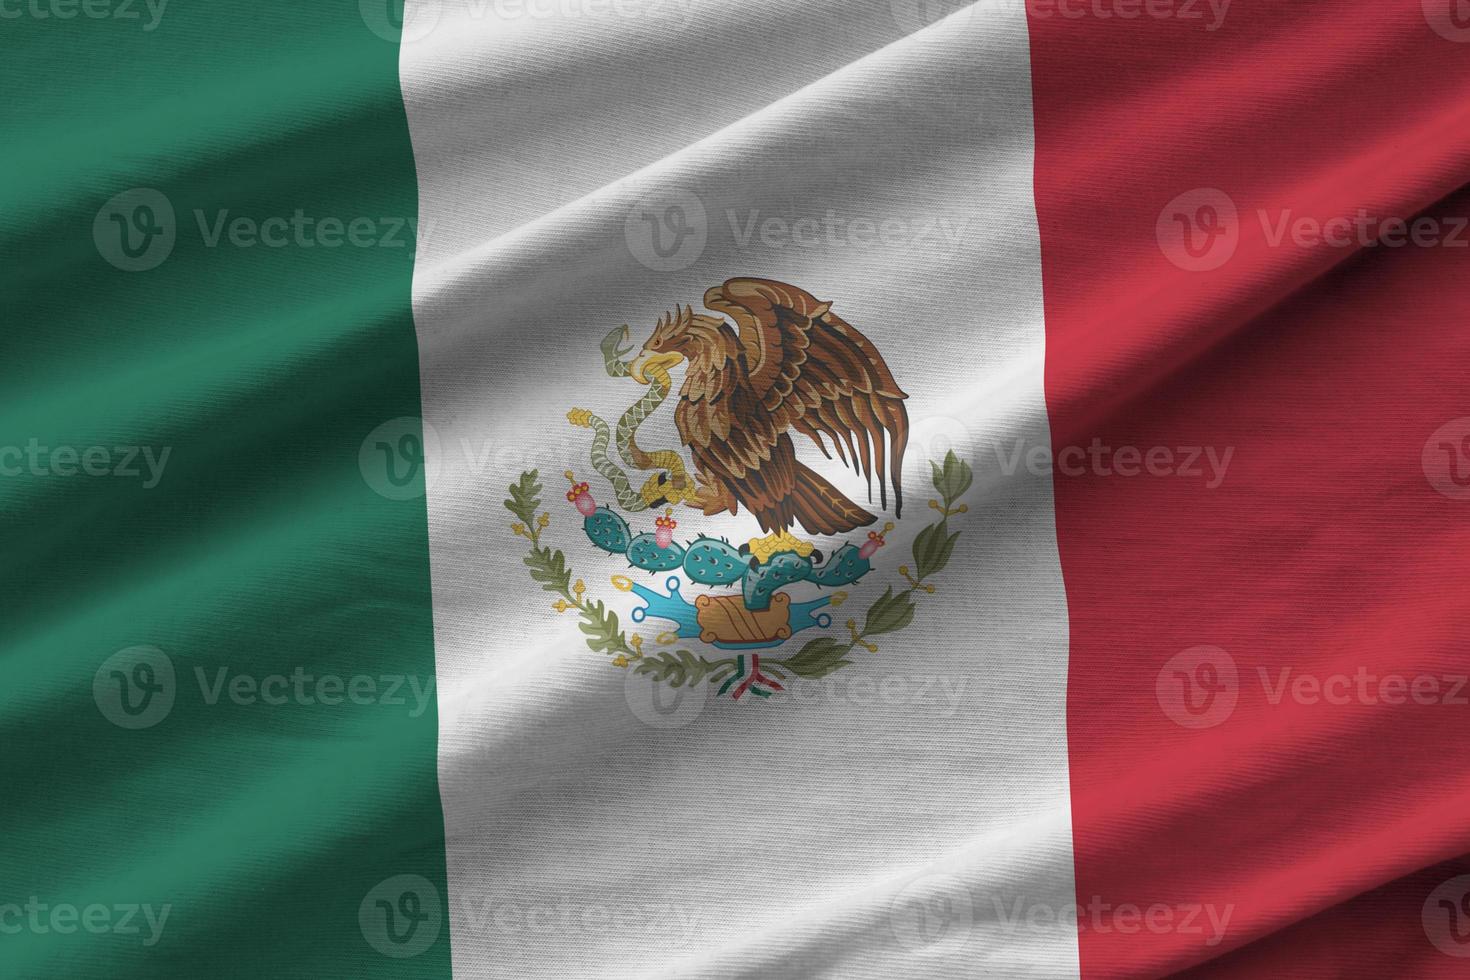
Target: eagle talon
{"points": [[766, 548]]}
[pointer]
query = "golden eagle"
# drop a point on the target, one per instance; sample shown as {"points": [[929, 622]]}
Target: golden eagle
{"points": [[794, 364]]}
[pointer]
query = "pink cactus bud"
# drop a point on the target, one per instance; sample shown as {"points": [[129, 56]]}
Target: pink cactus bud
{"points": [[581, 495], [663, 534]]}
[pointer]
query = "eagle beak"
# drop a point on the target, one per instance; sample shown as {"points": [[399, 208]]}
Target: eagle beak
{"points": [[654, 364]]}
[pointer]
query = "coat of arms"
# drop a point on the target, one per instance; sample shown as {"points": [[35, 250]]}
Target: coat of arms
{"points": [[788, 366]]}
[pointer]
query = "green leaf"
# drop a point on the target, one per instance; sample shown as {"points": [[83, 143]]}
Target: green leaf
{"points": [[680, 667], [525, 497], [550, 569], [601, 626], [953, 478], [818, 658], [890, 613], [932, 549]]}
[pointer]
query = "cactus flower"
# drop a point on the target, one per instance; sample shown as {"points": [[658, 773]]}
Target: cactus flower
{"points": [[581, 495], [663, 534]]}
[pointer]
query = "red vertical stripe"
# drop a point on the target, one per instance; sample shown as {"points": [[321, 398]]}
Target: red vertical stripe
{"points": [[1337, 547]]}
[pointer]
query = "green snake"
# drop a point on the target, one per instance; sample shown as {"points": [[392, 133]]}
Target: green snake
{"points": [[671, 484]]}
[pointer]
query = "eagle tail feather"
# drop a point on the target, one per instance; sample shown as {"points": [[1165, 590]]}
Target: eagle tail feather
{"points": [[821, 508]]}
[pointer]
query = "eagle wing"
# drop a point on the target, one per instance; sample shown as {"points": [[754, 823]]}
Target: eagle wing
{"points": [[740, 455], [810, 370]]}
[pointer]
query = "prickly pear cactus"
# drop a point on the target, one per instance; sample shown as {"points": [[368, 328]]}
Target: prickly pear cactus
{"points": [[644, 553], [607, 530], [714, 562], [766, 580], [844, 567], [711, 561]]}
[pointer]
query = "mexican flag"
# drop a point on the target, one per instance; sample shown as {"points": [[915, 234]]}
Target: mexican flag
{"points": [[841, 489]]}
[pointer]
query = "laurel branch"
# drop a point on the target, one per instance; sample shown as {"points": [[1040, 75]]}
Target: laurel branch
{"points": [[889, 613]]}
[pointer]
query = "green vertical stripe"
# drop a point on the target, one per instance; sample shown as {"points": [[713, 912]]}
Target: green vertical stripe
{"points": [[268, 544]]}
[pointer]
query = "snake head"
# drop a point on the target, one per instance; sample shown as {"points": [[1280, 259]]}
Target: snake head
{"points": [[613, 347]]}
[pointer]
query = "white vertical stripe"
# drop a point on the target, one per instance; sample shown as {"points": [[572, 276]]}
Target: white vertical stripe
{"points": [[894, 820]]}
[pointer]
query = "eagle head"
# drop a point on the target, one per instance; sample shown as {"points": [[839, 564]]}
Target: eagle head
{"points": [[678, 336]]}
